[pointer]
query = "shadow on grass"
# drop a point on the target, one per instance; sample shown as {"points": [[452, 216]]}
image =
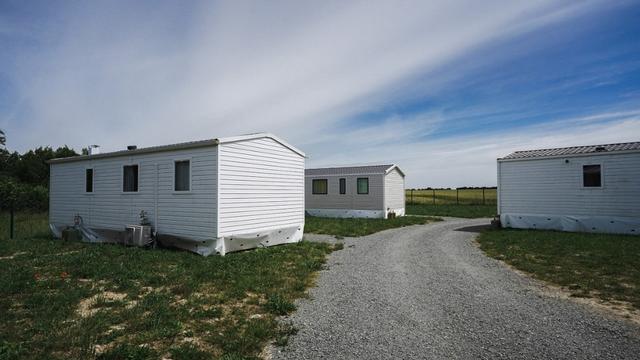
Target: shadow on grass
{"points": [[475, 229]]}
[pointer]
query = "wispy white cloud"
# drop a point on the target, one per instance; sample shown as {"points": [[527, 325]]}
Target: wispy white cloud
{"points": [[470, 160], [114, 75]]}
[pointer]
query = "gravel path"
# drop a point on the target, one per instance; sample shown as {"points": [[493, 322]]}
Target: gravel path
{"points": [[428, 292]]}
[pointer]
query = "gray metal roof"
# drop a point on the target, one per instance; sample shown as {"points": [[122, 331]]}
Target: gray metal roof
{"points": [[573, 151], [352, 170], [179, 146]]}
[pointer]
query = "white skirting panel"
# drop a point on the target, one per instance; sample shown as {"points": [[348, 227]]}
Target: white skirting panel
{"points": [[574, 223], [398, 212], [259, 239], [346, 213], [208, 247]]}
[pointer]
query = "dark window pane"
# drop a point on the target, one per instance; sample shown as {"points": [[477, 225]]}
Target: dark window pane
{"points": [[182, 176], [363, 185], [319, 186], [88, 180], [130, 178], [343, 186], [591, 176]]}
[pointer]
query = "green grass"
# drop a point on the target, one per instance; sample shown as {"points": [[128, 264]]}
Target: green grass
{"points": [[360, 227], [588, 265], [26, 225], [462, 211], [65, 300], [448, 197], [469, 203]]}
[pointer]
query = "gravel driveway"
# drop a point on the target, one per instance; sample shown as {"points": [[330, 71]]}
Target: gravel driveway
{"points": [[428, 292]]}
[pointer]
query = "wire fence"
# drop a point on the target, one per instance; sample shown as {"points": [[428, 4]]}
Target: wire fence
{"points": [[461, 196]]}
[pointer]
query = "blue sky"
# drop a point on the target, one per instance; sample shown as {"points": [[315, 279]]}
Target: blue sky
{"points": [[441, 88]]}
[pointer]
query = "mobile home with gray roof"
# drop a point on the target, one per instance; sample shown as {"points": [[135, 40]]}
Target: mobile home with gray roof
{"points": [[583, 188], [369, 191], [209, 196]]}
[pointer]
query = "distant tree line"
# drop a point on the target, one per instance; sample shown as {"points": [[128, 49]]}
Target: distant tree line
{"points": [[24, 178]]}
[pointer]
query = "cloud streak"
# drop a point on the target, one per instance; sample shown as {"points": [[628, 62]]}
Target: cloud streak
{"points": [[114, 75]]}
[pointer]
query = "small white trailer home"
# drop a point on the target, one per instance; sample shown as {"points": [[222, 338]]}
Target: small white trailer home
{"points": [[207, 196], [585, 188], [370, 191]]}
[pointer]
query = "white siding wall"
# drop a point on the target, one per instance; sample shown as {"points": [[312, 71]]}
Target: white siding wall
{"points": [[394, 190], [261, 187], [554, 187], [190, 214], [349, 201]]}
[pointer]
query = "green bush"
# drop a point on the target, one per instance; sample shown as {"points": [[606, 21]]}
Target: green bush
{"points": [[278, 305], [22, 196], [34, 198]]}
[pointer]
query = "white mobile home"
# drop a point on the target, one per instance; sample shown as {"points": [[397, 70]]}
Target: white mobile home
{"points": [[221, 195], [371, 191], [585, 188]]}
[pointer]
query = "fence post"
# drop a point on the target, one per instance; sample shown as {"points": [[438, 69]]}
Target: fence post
{"points": [[457, 197], [434, 196], [11, 214], [483, 196]]}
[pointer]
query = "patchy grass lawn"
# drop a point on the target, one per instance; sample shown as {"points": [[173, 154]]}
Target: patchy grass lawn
{"points": [[360, 227], [75, 300], [461, 211], [587, 265]]}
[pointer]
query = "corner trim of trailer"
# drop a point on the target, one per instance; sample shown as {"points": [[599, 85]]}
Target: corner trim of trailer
{"points": [[498, 188], [394, 166], [231, 139], [217, 234]]}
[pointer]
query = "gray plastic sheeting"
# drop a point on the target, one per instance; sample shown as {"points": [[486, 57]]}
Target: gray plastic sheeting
{"points": [[573, 223]]}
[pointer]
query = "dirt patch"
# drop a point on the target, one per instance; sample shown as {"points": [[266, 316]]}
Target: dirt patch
{"points": [[266, 353], [87, 307], [99, 349], [11, 257]]}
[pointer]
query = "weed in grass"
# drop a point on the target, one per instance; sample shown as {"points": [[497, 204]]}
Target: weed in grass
{"points": [[278, 305], [188, 352], [208, 312], [129, 352], [233, 356], [285, 331], [9, 351]]}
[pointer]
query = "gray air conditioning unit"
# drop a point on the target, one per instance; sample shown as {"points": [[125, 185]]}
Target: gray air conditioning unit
{"points": [[137, 235]]}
